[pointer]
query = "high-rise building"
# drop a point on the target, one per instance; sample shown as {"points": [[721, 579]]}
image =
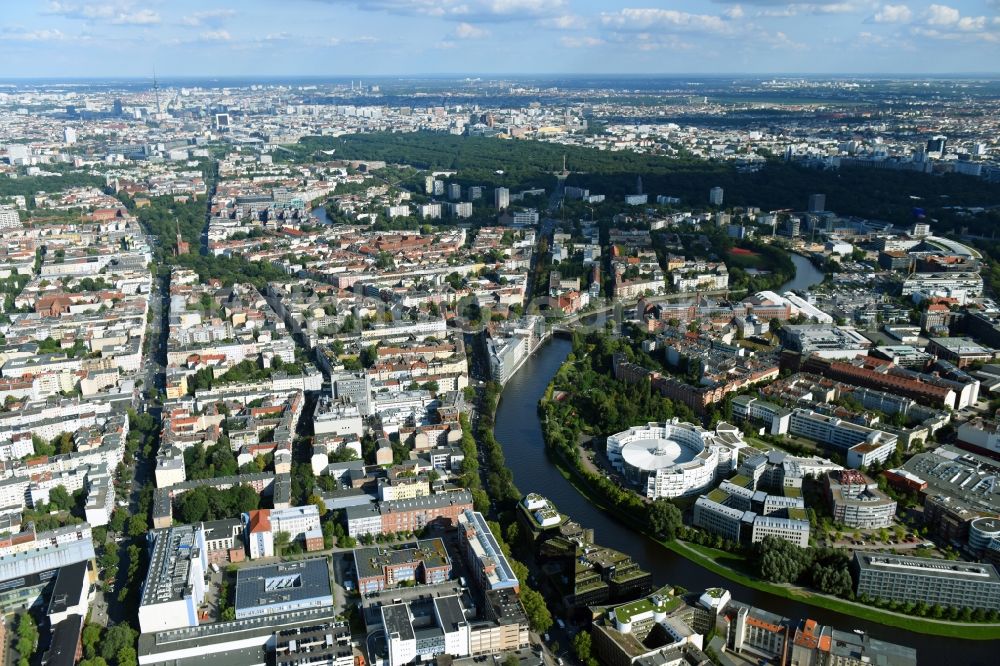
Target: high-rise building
{"points": [[9, 218], [461, 209], [69, 136], [501, 198], [475, 192], [715, 196], [438, 188], [817, 203], [936, 145], [454, 191], [429, 185], [793, 226]]}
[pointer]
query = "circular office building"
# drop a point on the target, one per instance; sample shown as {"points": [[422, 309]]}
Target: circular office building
{"points": [[983, 533], [674, 459]]}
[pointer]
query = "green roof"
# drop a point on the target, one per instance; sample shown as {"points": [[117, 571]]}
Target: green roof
{"points": [[626, 612], [630, 574], [718, 495], [797, 514], [741, 480], [788, 491]]}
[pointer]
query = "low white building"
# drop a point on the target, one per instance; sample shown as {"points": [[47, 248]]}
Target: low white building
{"points": [[437, 627], [337, 418]]}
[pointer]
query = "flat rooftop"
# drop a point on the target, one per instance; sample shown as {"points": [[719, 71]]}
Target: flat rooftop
{"points": [[282, 583], [919, 566], [167, 578], [966, 477]]}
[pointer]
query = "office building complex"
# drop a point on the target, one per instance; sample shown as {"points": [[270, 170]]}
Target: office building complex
{"points": [[674, 459], [860, 445], [738, 513], [980, 436], [407, 515], [426, 628], [26, 573], [814, 644], [933, 582], [379, 569], [317, 645], [856, 501], [300, 523], [817, 203], [957, 488]]}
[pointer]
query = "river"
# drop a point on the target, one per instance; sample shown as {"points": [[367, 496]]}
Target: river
{"points": [[319, 212], [519, 431], [806, 275]]}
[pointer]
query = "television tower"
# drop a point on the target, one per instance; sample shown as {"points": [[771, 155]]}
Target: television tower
{"points": [[156, 92]]}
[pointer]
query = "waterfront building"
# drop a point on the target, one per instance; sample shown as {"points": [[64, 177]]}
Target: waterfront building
{"points": [[674, 459], [933, 582]]}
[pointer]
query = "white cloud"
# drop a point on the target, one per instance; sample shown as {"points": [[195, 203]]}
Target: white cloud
{"points": [[468, 11], [215, 36], [947, 23], [775, 9], [469, 31], [646, 41], [564, 22], [212, 18], [665, 19], [352, 41], [734, 12], [580, 42], [115, 13], [893, 14], [942, 15], [35, 35], [141, 17], [782, 41]]}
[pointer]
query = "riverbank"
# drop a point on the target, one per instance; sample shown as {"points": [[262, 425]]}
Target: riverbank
{"points": [[712, 560]]}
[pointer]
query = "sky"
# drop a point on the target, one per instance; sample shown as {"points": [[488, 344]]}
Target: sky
{"points": [[341, 38]]}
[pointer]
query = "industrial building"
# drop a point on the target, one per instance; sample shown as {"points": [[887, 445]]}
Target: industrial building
{"points": [[957, 486]]}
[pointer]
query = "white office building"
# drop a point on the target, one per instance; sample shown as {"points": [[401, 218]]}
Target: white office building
{"points": [[175, 580], [501, 198], [674, 459], [337, 418]]}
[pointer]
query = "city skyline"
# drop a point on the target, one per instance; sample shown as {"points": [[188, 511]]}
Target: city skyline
{"points": [[131, 38]]}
